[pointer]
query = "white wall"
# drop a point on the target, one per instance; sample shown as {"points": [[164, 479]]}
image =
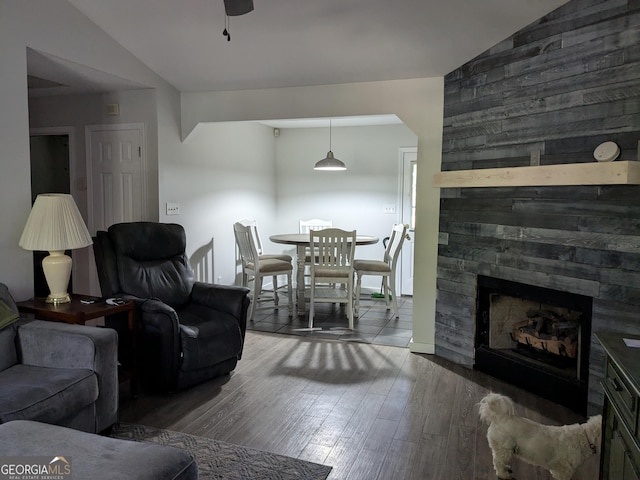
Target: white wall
{"points": [[417, 102], [230, 171], [352, 199], [226, 173], [54, 27], [78, 111]]}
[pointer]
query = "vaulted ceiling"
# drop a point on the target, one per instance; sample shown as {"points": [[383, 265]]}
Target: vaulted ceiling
{"points": [[285, 43]]}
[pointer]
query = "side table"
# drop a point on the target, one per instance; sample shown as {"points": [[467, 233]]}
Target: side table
{"points": [[78, 313]]}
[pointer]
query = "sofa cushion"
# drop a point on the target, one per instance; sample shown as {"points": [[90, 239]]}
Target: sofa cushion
{"points": [[45, 394], [96, 457], [208, 336], [8, 353]]}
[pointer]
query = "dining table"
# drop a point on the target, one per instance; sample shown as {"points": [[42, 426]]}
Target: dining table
{"points": [[301, 242]]}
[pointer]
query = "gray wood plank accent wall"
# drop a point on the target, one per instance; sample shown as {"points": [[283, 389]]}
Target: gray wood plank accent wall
{"points": [[560, 87]]}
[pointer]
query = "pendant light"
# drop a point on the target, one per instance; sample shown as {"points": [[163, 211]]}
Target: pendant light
{"points": [[330, 162]]}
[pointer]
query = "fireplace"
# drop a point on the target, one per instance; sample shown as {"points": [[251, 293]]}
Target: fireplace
{"points": [[536, 338]]}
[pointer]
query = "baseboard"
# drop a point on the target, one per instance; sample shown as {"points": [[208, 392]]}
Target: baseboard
{"points": [[428, 348]]}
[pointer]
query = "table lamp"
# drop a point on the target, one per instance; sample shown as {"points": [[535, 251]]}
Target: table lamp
{"points": [[55, 225]]}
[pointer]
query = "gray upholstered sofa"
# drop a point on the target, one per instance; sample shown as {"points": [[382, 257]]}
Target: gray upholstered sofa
{"points": [[58, 373], [93, 457]]}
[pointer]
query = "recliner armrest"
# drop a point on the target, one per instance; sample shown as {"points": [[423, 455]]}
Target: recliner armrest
{"points": [[224, 298], [160, 314], [162, 345], [61, 345]]}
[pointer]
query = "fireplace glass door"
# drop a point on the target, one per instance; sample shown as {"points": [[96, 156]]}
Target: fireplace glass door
{"points": [[534, 337]]}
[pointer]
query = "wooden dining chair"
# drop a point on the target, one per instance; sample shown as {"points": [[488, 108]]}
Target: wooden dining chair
{"points": [[331, 268], [385, 268], [253, 225], [305, 226], [255, 268]]}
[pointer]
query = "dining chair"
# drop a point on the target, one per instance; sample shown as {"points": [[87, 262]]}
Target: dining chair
{"points": [[332, 264], [255, 268], [305, 226], [385, 268], [253, 225]]}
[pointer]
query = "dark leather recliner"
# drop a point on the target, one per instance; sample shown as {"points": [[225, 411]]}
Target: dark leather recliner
{"points": [[188, 331]]}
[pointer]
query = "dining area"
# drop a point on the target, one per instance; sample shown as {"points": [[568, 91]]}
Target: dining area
{"points": [[312, 284]]}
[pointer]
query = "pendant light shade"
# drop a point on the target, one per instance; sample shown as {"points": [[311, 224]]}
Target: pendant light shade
{"points": [[330, 163]]}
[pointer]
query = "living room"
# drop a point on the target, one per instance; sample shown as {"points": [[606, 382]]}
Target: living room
{"points": [[419, 103], [179, 113]]}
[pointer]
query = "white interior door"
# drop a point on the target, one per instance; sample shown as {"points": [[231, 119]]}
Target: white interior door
{"points": [[409, 163], [116, 166], [116, 169]]}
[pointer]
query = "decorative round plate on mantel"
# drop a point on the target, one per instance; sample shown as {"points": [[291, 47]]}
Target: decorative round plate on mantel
{"points": [[606, 152]]}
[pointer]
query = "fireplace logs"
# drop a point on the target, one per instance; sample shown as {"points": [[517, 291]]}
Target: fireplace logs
{"points": [[548, 331]]}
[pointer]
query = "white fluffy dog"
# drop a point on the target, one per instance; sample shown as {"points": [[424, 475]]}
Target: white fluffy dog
{"points": [[561, 449]]}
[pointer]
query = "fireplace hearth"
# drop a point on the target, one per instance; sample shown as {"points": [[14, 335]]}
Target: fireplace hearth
{"points": [[535, 338]]}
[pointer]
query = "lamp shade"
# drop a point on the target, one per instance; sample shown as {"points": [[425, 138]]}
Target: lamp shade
{"points": [[54, 224], [330, 163]]}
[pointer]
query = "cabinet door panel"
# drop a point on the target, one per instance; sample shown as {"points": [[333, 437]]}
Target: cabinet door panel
{"points": [[616, 457], [630, 472]]}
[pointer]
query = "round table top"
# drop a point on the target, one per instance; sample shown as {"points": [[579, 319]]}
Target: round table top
{"points": [[303, 239]]}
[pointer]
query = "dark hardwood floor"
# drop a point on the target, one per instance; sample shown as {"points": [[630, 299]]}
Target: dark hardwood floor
{"points": [[370, 411]]}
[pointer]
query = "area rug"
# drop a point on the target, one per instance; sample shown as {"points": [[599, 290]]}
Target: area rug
{"points": [[219, 460]]}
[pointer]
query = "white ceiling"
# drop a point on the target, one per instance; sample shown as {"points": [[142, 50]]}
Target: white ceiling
{"points": [[286, 43]]}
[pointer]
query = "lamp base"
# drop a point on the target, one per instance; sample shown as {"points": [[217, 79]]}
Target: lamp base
{"points": [[57, 271], [66, 298]]}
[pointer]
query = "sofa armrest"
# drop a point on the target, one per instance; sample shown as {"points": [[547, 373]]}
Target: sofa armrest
{"points": [[61, 345]]}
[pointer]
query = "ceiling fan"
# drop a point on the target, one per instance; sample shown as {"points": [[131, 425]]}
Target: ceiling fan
{"points": [[234, 8]]}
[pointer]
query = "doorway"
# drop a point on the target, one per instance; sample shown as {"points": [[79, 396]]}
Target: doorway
{"points": [[115, 166], [117, 181], [408, 169], [50, 163]]}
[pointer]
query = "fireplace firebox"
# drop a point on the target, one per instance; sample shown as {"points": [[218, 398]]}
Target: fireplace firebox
{"points": [[535, 338]]}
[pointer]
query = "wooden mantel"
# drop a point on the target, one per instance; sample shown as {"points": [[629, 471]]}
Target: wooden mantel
{"points": [[595, 173]]}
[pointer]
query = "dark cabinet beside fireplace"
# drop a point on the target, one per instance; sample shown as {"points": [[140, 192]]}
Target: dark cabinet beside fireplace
{"points": [[620, 458]]}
